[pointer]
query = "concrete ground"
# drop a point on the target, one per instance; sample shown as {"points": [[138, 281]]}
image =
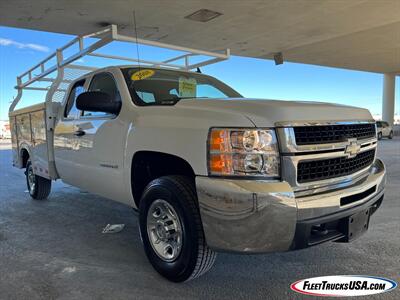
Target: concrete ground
{"points": [[55, 249]]}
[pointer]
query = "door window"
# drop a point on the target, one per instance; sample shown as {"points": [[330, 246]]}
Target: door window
{"points": [[103, 82], [71, 111]]}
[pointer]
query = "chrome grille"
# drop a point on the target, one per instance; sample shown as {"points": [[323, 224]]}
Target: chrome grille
{"points": [[322, 134], [315, 170]]}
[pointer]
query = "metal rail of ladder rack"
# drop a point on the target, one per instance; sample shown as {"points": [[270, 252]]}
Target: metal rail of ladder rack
{"points": [[105, 36]]}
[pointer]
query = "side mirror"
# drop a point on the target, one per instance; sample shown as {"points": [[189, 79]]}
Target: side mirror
{"points": [[98, 102]]}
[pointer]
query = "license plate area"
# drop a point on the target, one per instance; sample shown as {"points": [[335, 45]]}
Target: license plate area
{"points": [[356, 225]]}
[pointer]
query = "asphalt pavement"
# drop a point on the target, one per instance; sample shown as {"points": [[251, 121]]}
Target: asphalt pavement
{"points": [[55, 249]]}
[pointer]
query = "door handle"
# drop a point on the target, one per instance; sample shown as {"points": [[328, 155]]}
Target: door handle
{"points": [[80, 132]]}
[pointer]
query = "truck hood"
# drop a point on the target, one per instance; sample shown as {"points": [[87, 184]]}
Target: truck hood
{"points": [[265, 113]]}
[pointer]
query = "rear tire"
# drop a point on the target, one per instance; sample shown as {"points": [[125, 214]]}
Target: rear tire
{"points": [[175, 246], [39, 188], [390, 135]]}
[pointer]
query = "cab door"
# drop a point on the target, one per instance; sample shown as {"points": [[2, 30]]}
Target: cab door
{"points": [[64, 135], [100, 145]]}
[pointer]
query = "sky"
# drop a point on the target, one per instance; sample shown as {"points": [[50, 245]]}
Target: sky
{"points": [[20, 49]]}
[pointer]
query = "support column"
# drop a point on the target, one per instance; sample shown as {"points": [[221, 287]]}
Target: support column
{"points": [[389, 81]]}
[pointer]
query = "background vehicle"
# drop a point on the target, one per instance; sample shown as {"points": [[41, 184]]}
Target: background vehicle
{"points": [[5, 132], [384, 130], [207, 169]]}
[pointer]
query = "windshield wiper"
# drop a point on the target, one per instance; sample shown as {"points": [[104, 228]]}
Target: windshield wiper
{"points": [[176, 99]]}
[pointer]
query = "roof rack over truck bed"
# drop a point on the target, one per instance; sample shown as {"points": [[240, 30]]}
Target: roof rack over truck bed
{"points": [[34, 125], [66, 71]]}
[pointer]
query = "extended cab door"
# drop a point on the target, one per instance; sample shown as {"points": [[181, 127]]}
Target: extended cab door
{"points": [[64, 135], [100, 145]]}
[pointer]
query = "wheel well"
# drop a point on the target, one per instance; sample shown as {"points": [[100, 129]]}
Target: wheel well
{"points": [[149, 165], [24, 157]]}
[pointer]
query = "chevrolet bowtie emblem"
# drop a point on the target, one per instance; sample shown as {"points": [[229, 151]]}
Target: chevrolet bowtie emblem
{"points": [[352, 148]]}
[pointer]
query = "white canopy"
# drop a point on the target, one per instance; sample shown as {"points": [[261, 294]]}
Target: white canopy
{"points": [[357, 34]]}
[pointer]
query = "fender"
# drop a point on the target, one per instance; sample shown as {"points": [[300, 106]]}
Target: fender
{"points": [[23, 147]]}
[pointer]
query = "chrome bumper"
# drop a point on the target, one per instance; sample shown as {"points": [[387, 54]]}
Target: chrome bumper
{"points": [[255, 216]]}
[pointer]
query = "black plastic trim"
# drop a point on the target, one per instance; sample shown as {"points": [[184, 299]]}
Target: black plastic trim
{"points": [[303, 237], [356, 197]]}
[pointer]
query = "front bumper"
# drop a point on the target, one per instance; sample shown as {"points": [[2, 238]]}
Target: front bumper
{"points": [[256, 216]]}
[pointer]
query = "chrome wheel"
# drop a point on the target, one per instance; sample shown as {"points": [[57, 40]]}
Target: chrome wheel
{"points": [[31, 180], [164, 230]]}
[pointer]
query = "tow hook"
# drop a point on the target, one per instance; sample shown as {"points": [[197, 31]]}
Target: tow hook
{"points": [[319, 230]]}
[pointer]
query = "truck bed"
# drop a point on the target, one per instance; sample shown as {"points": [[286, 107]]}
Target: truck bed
{"points": [[31, 131]]}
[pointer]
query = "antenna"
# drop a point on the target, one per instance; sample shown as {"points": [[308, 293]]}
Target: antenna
{"points": [[136, 37]]}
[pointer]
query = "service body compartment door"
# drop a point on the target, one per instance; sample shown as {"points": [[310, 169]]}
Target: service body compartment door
{"points": [[29, 132], [40, 159], [14, 141]]}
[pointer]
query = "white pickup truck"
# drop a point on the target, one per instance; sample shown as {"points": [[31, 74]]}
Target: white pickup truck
{"points": [[207, 169]]}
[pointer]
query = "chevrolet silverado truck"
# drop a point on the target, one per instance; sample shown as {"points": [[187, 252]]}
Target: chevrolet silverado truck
{"points": [[206, 169]]}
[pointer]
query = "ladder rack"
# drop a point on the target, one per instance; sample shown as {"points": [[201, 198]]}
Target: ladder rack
{"points": [[104, 37]]}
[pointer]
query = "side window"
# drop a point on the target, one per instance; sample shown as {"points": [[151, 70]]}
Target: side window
{"points": [[103, 82], [71, 111]]}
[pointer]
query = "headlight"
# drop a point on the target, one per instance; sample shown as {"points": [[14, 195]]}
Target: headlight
{"points": [[243, 152]]}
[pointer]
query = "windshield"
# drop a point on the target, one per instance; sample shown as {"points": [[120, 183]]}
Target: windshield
{"points": [[166, 87]]}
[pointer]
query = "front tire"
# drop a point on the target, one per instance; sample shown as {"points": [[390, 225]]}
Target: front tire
{"points": [[172, 231], [39, 188]]}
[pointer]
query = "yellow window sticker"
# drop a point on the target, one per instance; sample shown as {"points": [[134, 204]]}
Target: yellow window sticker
{"points": [[142, 74], [187, 87]]}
